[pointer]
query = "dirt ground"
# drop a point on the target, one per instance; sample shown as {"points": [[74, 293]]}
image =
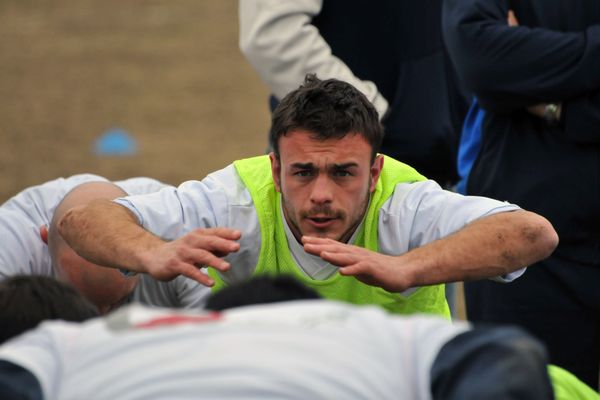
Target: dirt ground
{"points": [[169, 73]]}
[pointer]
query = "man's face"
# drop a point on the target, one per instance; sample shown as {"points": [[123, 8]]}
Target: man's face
{"points": [[105, 287], [325, 185]]}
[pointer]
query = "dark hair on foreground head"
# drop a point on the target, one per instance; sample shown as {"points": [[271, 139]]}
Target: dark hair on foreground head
{"points": [[328, 109], [260, 290], [25, 301]]}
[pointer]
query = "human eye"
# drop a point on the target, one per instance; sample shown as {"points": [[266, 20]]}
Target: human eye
{"points": [[341, 173], [303, 173]]}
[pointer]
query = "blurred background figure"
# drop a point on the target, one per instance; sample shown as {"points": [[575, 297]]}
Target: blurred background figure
{"points": [[537, 79]]}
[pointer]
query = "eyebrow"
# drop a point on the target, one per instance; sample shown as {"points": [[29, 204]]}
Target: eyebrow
{"points": [[333, 166], [303, 165]]}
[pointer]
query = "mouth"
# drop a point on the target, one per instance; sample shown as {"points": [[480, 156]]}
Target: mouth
{"points": [[321, 222]]}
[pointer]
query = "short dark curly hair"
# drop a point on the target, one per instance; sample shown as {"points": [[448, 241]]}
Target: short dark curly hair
{"points": [[261, 289], [27, 300], [329, 109]]}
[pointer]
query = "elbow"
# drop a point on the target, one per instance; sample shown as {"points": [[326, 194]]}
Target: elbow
{"points": [[246, 46], [67, 221], [478, 77], [541, 236], [258, 47], [259, 55], [552, 240], [253, 44], [478, 67]]}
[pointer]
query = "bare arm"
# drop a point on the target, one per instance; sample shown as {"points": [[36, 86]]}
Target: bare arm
{"points": [[491, 246], [108, 234]]}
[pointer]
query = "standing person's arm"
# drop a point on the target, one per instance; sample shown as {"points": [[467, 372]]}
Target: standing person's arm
{"points": [[109, 234], [279, 40], [511, 68], [581, 118]]}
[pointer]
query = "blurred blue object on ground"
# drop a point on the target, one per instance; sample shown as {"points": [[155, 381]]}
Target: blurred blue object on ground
{"points": [[115, 142]]}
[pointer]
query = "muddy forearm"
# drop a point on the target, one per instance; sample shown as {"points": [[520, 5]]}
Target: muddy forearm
{"points": [[491, 246]]}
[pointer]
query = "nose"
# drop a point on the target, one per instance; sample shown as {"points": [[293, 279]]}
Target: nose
{"points": [[322, 190]]}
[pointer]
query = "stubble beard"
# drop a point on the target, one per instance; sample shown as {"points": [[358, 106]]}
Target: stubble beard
{"points": [[293, 223]]}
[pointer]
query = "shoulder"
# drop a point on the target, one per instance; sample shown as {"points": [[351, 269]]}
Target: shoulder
{"points": [[429, 196], [177, 293], [217, 190], [140, 185], [225, 183], [421, 212], [410, 195], [22, 250], [38, 202]]}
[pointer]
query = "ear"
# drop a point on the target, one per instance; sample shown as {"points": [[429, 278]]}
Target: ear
{"points": [[44, 233], [275, 171], [376, 171]]}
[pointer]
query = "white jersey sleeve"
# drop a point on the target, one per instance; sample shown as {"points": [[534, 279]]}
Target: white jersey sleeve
{"points": [[219, 200], [279, 40], [140, 185], [422, 212], [44, 352], [22, 250], [179, 292]]}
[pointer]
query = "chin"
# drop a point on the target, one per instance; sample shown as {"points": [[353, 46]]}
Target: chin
{"points": [[325, 235]]}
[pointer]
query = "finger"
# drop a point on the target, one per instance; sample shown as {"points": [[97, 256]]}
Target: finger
{"points": [[339, 259], [203, 257], [330, 244], [512, 19], [225, 233], [317, 249], [213, 244], [196, 274], [312, 249], [352, 270], [367, 279], [317, 240]]}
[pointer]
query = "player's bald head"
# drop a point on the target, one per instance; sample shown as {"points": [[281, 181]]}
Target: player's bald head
{"points": [[79, 196], [105, 287]]}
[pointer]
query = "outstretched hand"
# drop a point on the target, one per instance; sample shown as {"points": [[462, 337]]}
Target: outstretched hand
{"points": [[369, 267], [191, 252]]}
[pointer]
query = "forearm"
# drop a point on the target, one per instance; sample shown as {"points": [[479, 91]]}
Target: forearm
{"points": [[107, 234], [491, 246], [282, 45]]}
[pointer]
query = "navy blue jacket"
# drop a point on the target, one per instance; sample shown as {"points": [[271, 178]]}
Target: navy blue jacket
{"points": [[398, 45], [552, 56]]}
